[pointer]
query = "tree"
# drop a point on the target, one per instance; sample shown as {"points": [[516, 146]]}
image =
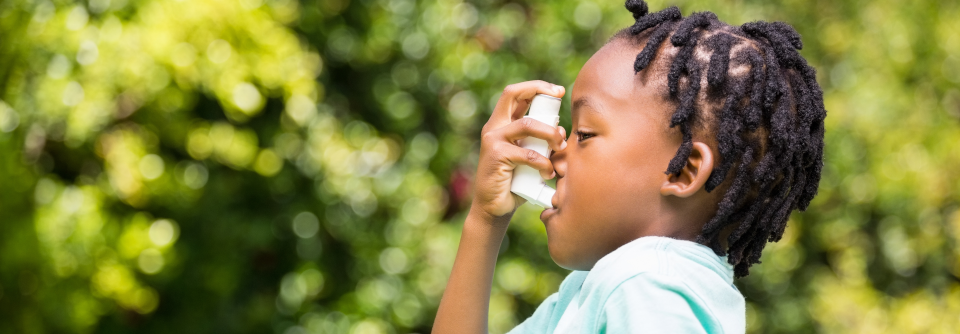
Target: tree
{"points": [[254, 166]]}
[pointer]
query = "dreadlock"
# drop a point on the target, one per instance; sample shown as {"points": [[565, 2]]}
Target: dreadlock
{"points": [[750, 87]]}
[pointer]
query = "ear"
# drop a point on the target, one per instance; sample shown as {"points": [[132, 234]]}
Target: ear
{"points": [[693, 176]]}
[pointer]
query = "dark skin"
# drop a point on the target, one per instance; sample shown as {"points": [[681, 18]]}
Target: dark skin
{"points": [[611, 186]]}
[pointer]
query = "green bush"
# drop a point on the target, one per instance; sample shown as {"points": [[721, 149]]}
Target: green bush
{"points": [[304, 167]]}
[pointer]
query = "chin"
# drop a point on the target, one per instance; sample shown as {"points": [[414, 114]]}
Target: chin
{"points": [[565, 256]]}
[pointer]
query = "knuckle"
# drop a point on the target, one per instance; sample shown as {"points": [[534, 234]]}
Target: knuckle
{"points": [[485, 136], [533, 156], [510, 90], [489, 138], [485, 129], [527, 124]]}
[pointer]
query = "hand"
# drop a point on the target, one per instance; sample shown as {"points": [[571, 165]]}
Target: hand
{"points": [[463, 308], [500, 154]]}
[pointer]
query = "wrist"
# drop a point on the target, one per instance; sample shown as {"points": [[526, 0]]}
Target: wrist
{"points": [[477, 215]]}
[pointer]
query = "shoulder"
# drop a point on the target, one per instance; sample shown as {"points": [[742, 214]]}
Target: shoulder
{"points": [[673, 282], [652, 302], [655, 257], [666, 293]]}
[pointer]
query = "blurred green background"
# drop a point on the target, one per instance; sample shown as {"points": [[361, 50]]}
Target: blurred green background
{"points": [[285, 166]]}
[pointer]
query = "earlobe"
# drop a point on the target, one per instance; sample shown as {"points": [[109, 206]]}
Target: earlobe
{"points": [[693, 176]]}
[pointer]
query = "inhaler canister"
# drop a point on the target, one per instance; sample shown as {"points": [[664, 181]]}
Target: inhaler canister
{"points": [[526, 180]]}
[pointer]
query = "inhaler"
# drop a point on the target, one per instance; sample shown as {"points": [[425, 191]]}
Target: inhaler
{"points": [[526, 180]]}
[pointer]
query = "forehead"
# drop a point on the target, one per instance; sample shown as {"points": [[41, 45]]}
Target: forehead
{"points": [[607, 81], [609, 70]]}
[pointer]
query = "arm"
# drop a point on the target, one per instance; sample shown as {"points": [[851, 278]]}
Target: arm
{"points": [[466, 300]]}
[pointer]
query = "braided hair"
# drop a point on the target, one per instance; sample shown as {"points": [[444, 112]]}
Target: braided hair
{"points": [[750, 88]]}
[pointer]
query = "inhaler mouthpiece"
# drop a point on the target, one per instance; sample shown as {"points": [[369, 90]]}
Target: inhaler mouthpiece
{"points": [[527, 182]]}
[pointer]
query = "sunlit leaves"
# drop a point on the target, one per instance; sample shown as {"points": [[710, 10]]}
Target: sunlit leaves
{"points": [[310, 161]]}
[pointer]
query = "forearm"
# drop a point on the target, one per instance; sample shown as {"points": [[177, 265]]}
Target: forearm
{"points": [[466, 300]]}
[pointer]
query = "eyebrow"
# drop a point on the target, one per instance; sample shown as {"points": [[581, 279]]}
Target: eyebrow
{"points": [[584, 101]]}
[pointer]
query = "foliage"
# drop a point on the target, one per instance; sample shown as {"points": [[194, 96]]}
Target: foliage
{"points": [[294, 167]]}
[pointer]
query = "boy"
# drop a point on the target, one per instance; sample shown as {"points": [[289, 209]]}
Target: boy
{"points": [[734, 114]]}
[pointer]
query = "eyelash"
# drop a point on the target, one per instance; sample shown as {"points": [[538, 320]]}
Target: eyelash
{"points": [[581, 134]]}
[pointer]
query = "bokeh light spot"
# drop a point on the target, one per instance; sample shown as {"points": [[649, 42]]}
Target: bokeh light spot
{"points": [[77, 19], [88, 53], [150, 261], [72, 94], [247, 97], [463, 105], [305, 224], [301, 108], [59, 67], [9, 119], [465, 15], [268, 163], [394, 260], [416, 46], [151, 166], [163, 232], [587, 15], [194, 175], [183, 55], [219, 51]]}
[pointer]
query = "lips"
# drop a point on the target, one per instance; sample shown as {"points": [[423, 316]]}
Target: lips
{"points": [[547, 213]]}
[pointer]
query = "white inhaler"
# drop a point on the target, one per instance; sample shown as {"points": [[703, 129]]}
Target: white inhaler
{"points": [[526, 180]]}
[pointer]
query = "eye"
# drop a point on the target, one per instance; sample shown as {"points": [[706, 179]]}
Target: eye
{"points": [[581, 136]]}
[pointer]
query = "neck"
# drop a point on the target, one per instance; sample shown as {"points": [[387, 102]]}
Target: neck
{"points": [[682, 218]]}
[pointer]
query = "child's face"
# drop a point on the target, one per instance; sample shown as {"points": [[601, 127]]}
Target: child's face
{"points": [[608, 186]]}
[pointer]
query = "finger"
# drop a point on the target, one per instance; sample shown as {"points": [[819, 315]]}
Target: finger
{"points": [[525, 97], [528, 127], [516, 156], [516, 99], [563, 134]]}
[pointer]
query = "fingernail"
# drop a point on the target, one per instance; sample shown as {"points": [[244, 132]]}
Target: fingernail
{"points": [[553, 174], [563, 145], [557, 88]]}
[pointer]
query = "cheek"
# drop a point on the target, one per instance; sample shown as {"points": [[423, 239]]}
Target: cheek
{"points": [[619, 172], [615, 182], [598, 190]]}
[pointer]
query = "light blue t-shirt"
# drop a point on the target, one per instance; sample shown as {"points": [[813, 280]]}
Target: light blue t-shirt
{"points": [[649, 285]]}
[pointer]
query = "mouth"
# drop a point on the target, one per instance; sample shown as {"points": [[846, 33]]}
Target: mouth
{"points": [[547, 214], [554, 202]]}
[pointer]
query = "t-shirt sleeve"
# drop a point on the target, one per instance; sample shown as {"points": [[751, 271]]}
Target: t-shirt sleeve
{"points": [[539, 321], [648, 303]]}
